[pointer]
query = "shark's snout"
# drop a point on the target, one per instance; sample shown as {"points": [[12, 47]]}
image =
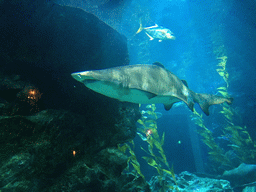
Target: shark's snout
{"points": [[81, 76], [76, 76]]}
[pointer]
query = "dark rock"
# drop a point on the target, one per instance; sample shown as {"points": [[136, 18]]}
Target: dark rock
{"points": [[130, 183], [40, 149], [42, 44], [111, 12], [56, 135], [112, 161], [46, 45]]}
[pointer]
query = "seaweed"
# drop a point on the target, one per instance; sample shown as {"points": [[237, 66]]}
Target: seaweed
{"points": [[155, 154], [216, 153], [156, 157], [131, 159], [239, 140], [222, 70]]}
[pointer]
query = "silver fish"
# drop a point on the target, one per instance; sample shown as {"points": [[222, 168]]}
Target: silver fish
{"points": [[157, 32]]}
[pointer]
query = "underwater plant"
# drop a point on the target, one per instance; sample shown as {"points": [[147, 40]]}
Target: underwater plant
{"points": [[131, 158], [216, 153], [156, 157], [239, 140], [148, 132], [222, 70]]}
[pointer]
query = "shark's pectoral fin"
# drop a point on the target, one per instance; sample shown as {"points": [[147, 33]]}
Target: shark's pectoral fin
{"points": [[150, 95], [141, 94], [167, 107]]}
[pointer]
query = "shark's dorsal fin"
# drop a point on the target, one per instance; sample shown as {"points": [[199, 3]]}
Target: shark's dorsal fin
{"points": [[159, 64], [185, 83]]}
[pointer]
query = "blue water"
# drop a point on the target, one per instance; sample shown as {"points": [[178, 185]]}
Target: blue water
{"points": [[197, 26]]}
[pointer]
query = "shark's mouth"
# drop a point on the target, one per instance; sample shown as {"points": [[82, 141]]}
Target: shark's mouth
{"points": [[89, 81]]}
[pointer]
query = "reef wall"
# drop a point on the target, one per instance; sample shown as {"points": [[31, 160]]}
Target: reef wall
{"points": [[56, 135]]}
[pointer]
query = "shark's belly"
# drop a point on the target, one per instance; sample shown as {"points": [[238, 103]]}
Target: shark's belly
{"points": [[137, 96], [129, 95]]}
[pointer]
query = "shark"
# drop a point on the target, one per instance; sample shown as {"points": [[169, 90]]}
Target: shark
{"points": [[146, 84]]}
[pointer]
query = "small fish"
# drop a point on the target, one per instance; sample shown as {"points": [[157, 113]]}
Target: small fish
{"points": [[154, 116], [234, 146], [226, 137], [195, 118], [157, 32]]}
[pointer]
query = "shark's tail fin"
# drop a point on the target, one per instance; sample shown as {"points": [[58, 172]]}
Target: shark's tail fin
{"points": [[140, 29], [206, 100]]}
